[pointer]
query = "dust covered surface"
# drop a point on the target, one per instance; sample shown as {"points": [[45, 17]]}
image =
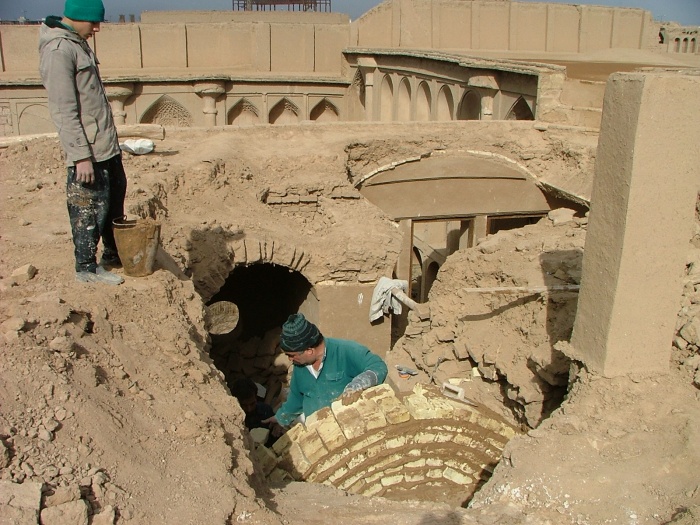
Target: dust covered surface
{"points": [[108, 397]]}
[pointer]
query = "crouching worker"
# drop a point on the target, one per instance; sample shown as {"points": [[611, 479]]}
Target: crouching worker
{"points": [[256, 411], [324, 369]]}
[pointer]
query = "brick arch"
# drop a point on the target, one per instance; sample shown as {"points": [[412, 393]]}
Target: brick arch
{"points": [[167, 111], [209, 275], [422, 445]]}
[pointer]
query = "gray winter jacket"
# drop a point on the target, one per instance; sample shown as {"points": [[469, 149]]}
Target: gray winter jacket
{"points": [[77, 100]]}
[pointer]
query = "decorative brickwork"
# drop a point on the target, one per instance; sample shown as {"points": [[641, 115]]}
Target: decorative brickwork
{"points": [[422, 445]]}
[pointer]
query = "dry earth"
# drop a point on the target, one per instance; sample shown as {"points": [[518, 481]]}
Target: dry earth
{"points": [[108, 392]]}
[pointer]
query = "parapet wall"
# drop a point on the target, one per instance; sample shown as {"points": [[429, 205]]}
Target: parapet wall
{"points": [[504, 26], [195, 49], [177, 43]]}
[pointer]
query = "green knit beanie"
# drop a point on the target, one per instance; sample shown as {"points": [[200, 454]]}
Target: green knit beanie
{"points": [[85, 10], [298, 334]]}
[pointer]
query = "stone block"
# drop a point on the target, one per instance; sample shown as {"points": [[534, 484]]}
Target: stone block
{"points": [[394, 411], [434, 473], [295, 462], [414, 477], [106, 516], [325, 424], [388, 481], [278, 476], [441, 407], [456, 477], [63, 495], [73, 512], [419, 407], [398, 441], [419, 463], [425, 437], [21, 503], [266, 458], [349, 419], [312, 446], [23, 273], [371, 414]]}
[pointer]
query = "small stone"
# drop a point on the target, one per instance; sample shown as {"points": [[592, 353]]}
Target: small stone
{"points": [[61, 344], [13, 324], [23, 273], [45, 435]]}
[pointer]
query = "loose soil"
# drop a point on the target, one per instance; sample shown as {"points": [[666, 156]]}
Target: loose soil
{"points": [[110, 391]]}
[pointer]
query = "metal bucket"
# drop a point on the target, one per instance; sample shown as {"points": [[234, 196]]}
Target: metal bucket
{"points": [[137, 243]]}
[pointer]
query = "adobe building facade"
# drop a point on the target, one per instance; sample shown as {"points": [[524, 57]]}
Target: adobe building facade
{"points": [[210, 69]]}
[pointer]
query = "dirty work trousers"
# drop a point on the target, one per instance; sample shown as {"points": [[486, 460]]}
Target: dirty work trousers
{"points": [[92, 208]]}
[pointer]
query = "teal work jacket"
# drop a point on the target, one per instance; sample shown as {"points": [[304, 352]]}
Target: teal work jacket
{"points": [[344, 360]]}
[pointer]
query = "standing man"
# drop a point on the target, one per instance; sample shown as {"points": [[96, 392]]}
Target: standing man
{"points": [[324, 369], [96, 184]]}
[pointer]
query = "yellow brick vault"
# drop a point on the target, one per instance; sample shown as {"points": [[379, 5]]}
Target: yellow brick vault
{"points": [[396, 447]]}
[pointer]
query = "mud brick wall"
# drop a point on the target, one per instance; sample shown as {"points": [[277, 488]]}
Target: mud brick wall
{"points": [[383, 444]]}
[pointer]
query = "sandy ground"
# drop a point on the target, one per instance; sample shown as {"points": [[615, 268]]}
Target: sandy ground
{"points": [[108, 392]]}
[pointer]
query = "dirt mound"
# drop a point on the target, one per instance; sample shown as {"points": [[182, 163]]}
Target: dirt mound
{"points": [[110, 399]]}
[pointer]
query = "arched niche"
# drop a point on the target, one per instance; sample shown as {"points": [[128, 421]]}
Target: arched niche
{"points": [[284, 112], [403, 107], [520, 110], [469, 106], [35, 118], [386, 99], [324, 111], [423, 102], [445, 104], [166, 111], [244, 113], [357, 98]]}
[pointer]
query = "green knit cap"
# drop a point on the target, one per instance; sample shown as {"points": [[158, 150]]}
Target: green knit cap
{"points": [[85, 10], [298, 334]]}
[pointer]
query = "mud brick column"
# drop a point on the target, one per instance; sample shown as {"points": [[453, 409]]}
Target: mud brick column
{"points": [[641, 218], [117, 95], [209, 92]]}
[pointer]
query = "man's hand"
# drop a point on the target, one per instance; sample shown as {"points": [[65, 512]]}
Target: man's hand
{"points": [[275, 428], [84, 171]]}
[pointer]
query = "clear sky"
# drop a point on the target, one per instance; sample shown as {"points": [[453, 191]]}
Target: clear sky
{"points": [[686, 12]]}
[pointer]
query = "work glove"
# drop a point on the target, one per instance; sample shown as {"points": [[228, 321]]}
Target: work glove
{"points": [[361, 382]]}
